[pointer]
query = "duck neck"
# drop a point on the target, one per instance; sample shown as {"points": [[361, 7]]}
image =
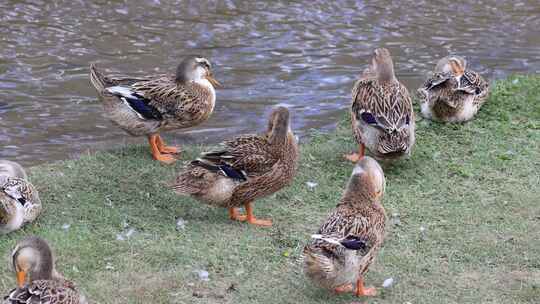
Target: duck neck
{"points": [[385, 72]]}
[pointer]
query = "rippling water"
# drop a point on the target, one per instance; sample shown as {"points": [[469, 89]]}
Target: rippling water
{"points": [[304, 54]]}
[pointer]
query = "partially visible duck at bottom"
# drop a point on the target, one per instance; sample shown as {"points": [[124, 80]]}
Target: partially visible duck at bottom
{"points": [[37, 279], [339, 255]]}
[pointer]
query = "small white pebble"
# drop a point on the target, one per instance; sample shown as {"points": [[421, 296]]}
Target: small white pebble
{"points": [[130, 232], [66, 226], [203, 275], [422, 229], [388, 282], [109, 266], [311, 185], [180, 224]]}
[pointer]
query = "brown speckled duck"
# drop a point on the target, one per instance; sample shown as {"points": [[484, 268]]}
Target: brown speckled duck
{"points": [[37, 279], [248, 168], [382, 112], [19, 200], [453, 93], [148, 105], [350, 238]]}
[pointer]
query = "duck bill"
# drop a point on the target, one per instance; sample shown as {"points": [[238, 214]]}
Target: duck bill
{"points": [[212, 80], [21, 278]]}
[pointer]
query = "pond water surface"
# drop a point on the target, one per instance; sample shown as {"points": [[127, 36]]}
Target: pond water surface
{"points": [[303, 54]]}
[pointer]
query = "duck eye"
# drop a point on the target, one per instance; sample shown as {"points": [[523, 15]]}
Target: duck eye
{"points": [[407, 120], [368, 118]]}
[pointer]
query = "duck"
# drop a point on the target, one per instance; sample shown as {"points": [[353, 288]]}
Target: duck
{"points": [[19, 199], [339, 255], [453, 93], [38, 281], [246, 168], [145, 106], [381, 111]]}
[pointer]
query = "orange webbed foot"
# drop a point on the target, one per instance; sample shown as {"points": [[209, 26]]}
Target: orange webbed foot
{"points": [[362, 291], [164, 148], [353, 157], [165, 158], [253, 220], [344, 289], [169, 150], [235, 215], [156, 153], [259, 222]]}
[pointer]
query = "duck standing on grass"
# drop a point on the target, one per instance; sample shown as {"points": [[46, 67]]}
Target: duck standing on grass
{"points": [[454, 93], [248, 167], [19, 200], [346, 244], [37, 279], [148, 105], [381, 112]]}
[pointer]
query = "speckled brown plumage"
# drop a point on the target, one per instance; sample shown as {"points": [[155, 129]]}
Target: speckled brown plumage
{"points": [[147, 105], [445, 98], [19, 199], [359, 214], [45, 292], [180, 105], [381, 110], [268, 161]]}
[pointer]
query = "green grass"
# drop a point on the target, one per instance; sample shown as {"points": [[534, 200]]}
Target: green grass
{"points": [[474, 187]]}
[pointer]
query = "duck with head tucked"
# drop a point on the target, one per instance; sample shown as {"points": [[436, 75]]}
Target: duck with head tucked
{"points": [[381, 112], [453, 93], [19, 200], [37, 279], [248, 167], [346, 244], [148, 105]]}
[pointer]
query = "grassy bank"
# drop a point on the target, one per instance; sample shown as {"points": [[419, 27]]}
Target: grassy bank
{"points": [[474, 187]]}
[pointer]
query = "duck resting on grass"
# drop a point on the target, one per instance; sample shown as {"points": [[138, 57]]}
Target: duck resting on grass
{"points": [[346, 244], [381, 112], [145, 106], [37, 279], [19, 200], [248, 167], [454, 93]]}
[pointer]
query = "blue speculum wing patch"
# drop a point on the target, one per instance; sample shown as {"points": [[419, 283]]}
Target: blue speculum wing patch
{"points": [[353, 243], [142, 107], [368, 118]]}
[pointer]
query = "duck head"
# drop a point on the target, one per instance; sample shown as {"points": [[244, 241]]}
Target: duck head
{"points": [[367, 181], [196, 69], [453, 64], [279, 125], [33, 260], [382, 65]]}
